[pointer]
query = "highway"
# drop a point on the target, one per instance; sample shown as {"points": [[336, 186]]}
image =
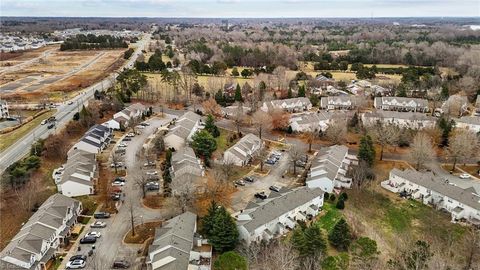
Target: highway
{"points": [[64, 113]]}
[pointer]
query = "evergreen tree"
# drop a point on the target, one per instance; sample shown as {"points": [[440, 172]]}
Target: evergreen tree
{"points": [[309, 241], [262, 89], [444, 93], [401, 91], [354, 122], [235, 72], [238, 94], [203, 143], [224, 234], [343, 196], [208, 219], [289, 94], [219, 98], [446, 127], [340, 236], [211, 127], [301, 91], [314, 100], [340, 204], [366, 150]]}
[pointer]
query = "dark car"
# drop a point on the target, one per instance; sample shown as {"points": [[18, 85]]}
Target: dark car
{"points": [[119, 179], [274, 188], [50, 126], [261, 195], [270, 162], [249, 179], [88, 240], [78, 257], [121, 264], [127, 139], [116, 196], [101, 215]]}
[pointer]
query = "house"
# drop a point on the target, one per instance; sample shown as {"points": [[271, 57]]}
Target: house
{"points": [[244, 150], [323, 82], [315, 121], [123, 117], [95, 140], [403, 104], [177, 246], [229, 90], [329, 169], [461, 203], [37, 241], [278, 214], [378, 90], [77, 177], [338, 103], [4, 109], [186, 167], [184, 128], [455, 105], [291, 105], [230, 111], [469, 122], [413, 120]]}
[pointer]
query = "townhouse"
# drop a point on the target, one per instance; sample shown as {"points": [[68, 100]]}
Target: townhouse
{"points": [[338, 103], [278, 214], [469, 122], [177, 245], [403, 104], [184, 128], [95, 139], [462, 203], [329, 169], [230, 111], [324, 82], [315, 121], [413, 120], [4, 109], [290, 105], [78, 175], [37, 241], [125, 116], [186, 168], [244, 150]]}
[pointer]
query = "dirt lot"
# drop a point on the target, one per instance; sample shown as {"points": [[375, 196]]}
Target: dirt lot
{"points": [[58, 73], [14, 58]]}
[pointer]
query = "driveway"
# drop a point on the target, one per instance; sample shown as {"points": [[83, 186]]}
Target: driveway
{"points": [[463, 183], [110, 246]]}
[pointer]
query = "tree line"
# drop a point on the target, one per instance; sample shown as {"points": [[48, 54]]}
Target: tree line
{"points": [[91, 41]]}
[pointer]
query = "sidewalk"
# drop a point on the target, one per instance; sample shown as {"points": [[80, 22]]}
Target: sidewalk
{"points": [[74, 248]]}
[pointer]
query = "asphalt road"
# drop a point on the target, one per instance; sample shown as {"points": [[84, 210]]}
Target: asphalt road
{"points": [[64, 114]]}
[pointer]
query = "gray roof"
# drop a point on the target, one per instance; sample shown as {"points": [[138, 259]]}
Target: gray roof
{"points": [[400, 115], [328, 162], [403, 101], [176, 238], [289, 101], [439, 185], [185, 157], [184, 125], [244, 146], [272, 208], [472, 120], [79, 163], [337, 100]]}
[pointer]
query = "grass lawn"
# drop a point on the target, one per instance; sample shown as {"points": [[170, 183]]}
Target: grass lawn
{"points": [[331, 215], [88, 203], [10, 138], [203, 80]]}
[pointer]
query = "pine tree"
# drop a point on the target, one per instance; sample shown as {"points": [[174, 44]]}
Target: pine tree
{"points": [[444, 93], [208, 219], [366, 150], [340, 204], [262, 87], [343, 196], [309, 241], [301, 91], [211, 127], [203, 143], [290, 94], [340, 236], [238, 94], [224, 233]]}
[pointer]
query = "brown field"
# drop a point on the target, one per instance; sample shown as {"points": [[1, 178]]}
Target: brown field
{"points": [[14, 58], [60, 73]]}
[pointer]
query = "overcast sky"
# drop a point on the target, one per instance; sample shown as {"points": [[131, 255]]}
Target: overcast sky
{"points": [[241, 8]]}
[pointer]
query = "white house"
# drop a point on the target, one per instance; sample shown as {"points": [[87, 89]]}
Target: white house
{"points": [[278, 214], [37, 241], [469, 122], [413, 120], [329, 169], [315, 121], [95, 140], [3, 109], [230, 111], [403, 104], [291, 105], [177, 245], [78, 175], [338, 103], [244, 150], [184, 128], [462, 204], [123, 117]]}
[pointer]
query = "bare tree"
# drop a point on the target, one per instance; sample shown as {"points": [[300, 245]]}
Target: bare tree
{"points": [[261, 122], [463, 145], [311, 135], [28, 194], [421, 150], [141, 181], [262, 155], [384, 135], [277, 255], [238, 117], [210, 106], [296, 152], [131, 211], [226, 168], [280, 119], [116, 159], [361, 174], [336, 131], [472, 248]]}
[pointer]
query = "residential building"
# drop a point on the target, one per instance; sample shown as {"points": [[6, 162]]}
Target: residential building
{"points": [[278, 214], [461, 203], [124, 117], [184, 128], [4, 109], [244, 150], [315, 121], [95, 140], [469, 122], [403, 104], [230, 111], [186, 168], [323, 82], [413, 120], [78, 176], [37, 241], [229, 90], [338, 103], [291, 105], [178, 246], [329, 169]]}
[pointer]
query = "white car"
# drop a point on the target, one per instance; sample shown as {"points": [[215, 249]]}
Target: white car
{"points": [[98, 224], [93, 234], [152, 173], [44, 122], [118, 184], [140, 127], [123, 145], [465, 176], [131, 134], [76, 264]]}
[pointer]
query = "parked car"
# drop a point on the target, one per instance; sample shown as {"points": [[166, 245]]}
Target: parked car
{"points": [[78, 257], [261, 195], [123, 144], [149, 163], [300, 163], [121, 179], [465, 176], [118, 184], [101, 215], [270, 162], [113, 142], [152, 186], [152, 173], [93, 234], [69, 102], [44, 122], [121, 264], [126, 139], [240, 182], [274, 188], [116, 196], [88, 240], [145, 124], [249, 179], [98, 224], [140, 127], [116, 165], [51, 125], [76, 264]]}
